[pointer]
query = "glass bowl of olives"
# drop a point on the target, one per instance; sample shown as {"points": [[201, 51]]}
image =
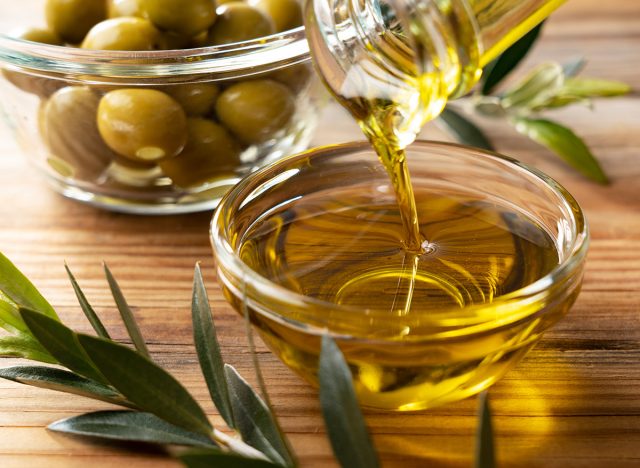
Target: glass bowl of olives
{"points": [[155, 106]]}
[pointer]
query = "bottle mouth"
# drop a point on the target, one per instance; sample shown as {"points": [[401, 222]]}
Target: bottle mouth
{"points": [[202, 64]]}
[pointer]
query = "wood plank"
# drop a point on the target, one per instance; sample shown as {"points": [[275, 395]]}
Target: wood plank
{"points": [[573, 401]]}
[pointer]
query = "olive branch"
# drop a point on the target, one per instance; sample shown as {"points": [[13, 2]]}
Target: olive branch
{"points": [[158, 409], [548, 86]]}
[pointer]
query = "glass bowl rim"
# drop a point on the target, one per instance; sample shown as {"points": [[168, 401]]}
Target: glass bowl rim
{"points": [[226, 255], [251, 57]]}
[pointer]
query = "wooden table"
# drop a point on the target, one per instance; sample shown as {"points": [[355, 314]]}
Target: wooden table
{"points": [[574, 401]]}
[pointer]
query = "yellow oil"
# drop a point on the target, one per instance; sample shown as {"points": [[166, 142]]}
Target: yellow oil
{"points": [[345, 247], [401, 266]]}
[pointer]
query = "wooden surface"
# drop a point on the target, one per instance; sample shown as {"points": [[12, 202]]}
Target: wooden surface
{"points": [[573, 402]]}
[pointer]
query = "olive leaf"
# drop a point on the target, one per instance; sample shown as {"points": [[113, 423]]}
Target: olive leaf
{"points": [[289, 454], [582, 90], [559, 99], [562, 141], [208, 348], [207, 458], [91, 315], [61, 380], [464, 130], [538, 86], [595, 87], [497, 70], [21, 291], [145, 384], [131, 426], [254, 421], [346, 428], [485, 450], [62, 343], [126, 314], [26, 347], [10, 318]]}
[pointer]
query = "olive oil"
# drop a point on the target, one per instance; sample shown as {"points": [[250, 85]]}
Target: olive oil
{"points": [[345, 247]]}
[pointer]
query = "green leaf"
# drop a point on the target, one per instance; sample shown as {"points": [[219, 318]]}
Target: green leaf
{"points": [[131, 426], [145, 384], [289, 456], [91, 315], [207, 458], [594, 87], [582, 90], [62, 381], [485, 452], [126, 314], [560, 100], [62, 343], [562, 141], [464, 130], [346, 428], [10, 318], [253, 419], [497, 70], [19, 289], [489, 106], [25, 347], [209, 356], [540, 85]]}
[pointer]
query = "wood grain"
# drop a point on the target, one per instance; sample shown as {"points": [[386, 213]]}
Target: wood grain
{"points": [[573, 402]]}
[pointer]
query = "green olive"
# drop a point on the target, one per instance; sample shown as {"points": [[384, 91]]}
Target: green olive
{"points": [[116, 8], [41, 35], [37, 85], [173, 41], [295, 77], [125, 33], [72, 19], [255, 111], [196, 99], [131, 164], [238, 22], [142, 124], [69, 130], [186, 17], [211, 152], [201, 40], [286, 14], [43, 87]]}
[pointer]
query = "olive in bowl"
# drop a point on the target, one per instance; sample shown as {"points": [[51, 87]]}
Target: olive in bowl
{"points": [[127, 107]]}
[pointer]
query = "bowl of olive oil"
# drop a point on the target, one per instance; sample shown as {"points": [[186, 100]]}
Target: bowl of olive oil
{"points": [[427, 309]]}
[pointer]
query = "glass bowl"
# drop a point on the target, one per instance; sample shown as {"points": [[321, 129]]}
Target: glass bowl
{"points": [[65, 144], [426, 357]]}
